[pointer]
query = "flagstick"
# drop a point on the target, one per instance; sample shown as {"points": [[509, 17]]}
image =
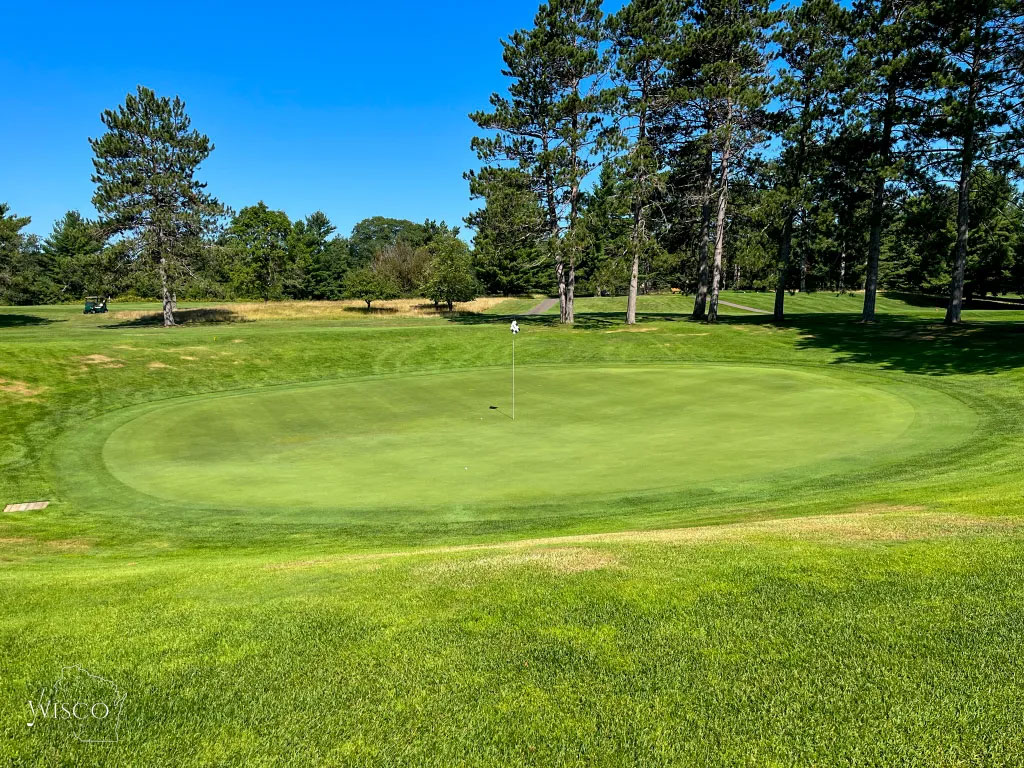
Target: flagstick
{"points": [[513, 377]]}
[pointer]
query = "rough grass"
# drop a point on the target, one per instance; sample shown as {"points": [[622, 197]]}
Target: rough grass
{"points": [[875, 622], [301, 310]]}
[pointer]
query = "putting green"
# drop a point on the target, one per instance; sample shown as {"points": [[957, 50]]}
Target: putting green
{"points": [[432, 441]]}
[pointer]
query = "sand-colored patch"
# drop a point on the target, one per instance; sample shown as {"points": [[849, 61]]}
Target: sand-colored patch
{"points": [[158, 364], [19, 388], [101, 361], [188, 357], [634, 329]]}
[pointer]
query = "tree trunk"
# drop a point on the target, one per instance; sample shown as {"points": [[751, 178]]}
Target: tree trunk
{"points": [[560, 279], [570, 292], [963, 215], [963, 201], [639, 224], [700, 304], [785, 247], [842, 265], [549, 193], [634, 275], [874, 248], [878, 211], [639, 235], [166, 292], [723, 196]]}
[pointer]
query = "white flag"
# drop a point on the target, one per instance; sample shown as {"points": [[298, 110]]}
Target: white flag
{"points": [[514, 327]]}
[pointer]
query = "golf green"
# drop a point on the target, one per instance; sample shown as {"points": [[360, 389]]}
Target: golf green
{"points": [[434, 441]]}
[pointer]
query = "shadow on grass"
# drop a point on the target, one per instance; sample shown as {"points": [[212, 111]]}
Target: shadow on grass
{"points": [[921, 345], [181, 317], [584, 320], [905, 343], [915, 345], [21, 321], [370, 310], [941, 302]]}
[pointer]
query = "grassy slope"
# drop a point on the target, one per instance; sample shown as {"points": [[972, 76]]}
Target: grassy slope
{"points": [[887, 636]]}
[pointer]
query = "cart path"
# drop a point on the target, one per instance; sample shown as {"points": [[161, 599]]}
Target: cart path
{"points": [[543, 307], [745, 308]]}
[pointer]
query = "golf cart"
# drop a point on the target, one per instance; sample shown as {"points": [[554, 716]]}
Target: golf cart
{"points": [[95, 305]]}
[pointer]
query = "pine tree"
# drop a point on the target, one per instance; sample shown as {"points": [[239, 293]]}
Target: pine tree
{"points": [[892, 65], [11, 242], [509, 254], [811, 43], [981, 112], [728, 42], [646, 38], [76, 254], [145, 167], [551, 124]]}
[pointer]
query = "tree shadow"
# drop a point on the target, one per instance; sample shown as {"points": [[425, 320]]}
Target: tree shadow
{"points": [[197, 316], [941, 302], [909, 344], [21, 321], [584, 320], [371, 310]]}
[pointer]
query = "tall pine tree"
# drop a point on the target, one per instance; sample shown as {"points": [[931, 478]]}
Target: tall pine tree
{"points": [[551, 123], [146, 186]]}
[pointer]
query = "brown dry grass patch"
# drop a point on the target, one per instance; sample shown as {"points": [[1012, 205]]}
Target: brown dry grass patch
{"points": [[101, 361], [57, 545], [563, 560], [19, 388], [294, 310], [634, 329], [158, 364], [568, 554]]}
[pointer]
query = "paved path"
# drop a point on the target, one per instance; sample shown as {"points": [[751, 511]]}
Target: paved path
{"points": [[745, 308], [543, 307]]}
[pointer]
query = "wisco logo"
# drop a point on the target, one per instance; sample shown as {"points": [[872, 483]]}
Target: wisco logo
{"points": [[87, 704]]}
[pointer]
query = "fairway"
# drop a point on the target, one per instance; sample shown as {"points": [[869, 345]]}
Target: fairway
{"points": [[433, 442], [731, 544]]}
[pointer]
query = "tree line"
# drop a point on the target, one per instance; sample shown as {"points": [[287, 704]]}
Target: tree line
{"points": [[160, 233], [713, 143], [694, 144]]}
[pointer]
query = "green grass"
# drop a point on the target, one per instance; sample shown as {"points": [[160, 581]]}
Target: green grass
{"points": [[740, 544]]}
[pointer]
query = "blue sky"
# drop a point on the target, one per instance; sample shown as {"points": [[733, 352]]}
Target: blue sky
{"points": [[354, 109]]}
